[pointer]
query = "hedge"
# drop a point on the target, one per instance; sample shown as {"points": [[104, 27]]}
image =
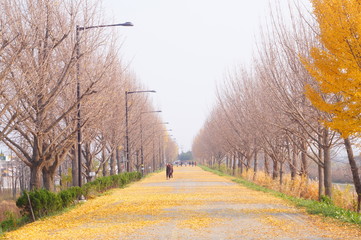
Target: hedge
{"points": [[44, 202]]}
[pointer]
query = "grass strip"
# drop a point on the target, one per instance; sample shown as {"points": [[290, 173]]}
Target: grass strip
{"points": [[323, 208]]}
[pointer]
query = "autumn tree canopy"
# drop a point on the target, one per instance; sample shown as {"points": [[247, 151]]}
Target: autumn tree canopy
{"points": [[336, 66]]}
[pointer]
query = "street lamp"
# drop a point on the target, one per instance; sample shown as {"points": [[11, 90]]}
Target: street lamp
{"points": [[127, 149], [141, 138], [77, 42]]}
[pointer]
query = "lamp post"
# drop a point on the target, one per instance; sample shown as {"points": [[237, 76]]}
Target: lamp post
{"points": [[141, 138], [127, 149], [77, 42]]}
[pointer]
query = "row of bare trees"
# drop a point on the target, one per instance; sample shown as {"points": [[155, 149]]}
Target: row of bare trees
{"points": [[38, 100], [263, 114]]}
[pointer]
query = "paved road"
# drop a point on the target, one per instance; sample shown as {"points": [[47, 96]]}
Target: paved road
{"points": [[193, 205]]}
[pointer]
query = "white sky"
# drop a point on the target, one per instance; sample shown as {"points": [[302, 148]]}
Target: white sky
{"points": [[181, 48]]}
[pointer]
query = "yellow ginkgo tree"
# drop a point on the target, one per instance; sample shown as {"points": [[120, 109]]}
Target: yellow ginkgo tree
{"points": [[336, 68]]}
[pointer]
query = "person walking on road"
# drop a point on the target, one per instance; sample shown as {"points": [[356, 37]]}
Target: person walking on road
{"points": [[167, 169], [170, 170]]}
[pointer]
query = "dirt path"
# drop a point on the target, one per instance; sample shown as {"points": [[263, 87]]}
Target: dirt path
{"points": [[193, 205]]}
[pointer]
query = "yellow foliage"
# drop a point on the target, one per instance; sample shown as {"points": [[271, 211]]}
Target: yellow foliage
{"points": [[336, 66], [196, 221]]}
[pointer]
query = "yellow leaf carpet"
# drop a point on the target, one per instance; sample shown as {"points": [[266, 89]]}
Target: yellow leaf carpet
{"points": [[193, 205]]}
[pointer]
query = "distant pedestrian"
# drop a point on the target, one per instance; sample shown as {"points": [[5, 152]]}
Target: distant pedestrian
{"points": [[170, 170], [167, 170]]}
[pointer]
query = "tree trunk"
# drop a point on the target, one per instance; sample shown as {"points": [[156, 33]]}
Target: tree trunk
{"points": [[255, 165], [294, 161], [240, 164], [229, 167], [14, 179], [15, 187], [22, 179], [112, 163], [281, 174], [266, 164], [327, 165], [354, 171], [304, 163], [117, 155], [248, 161], [74, 168], [49, 172], [105, 164], [320, 171], [293, 164], [234, 166], [320, 181], [35, 177], [48, 179], [88, 161], [289, 160], [227, 163], [275, 169]]}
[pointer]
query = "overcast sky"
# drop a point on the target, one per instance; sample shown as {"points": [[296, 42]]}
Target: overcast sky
{"points": [[182, 48]]}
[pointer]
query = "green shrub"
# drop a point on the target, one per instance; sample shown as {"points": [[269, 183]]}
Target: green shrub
{"points": [[43, 202], [69, 195], [9, 223], [102, 184], [326, 199]]}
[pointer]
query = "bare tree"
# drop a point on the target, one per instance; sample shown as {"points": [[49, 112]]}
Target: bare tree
{"points": [[42, 73]]}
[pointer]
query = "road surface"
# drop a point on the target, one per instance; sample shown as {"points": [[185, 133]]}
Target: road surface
{"points": [[195, 204]]}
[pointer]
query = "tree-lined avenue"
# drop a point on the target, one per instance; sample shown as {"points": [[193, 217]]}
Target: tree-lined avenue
{"points": [[195, 204]]}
